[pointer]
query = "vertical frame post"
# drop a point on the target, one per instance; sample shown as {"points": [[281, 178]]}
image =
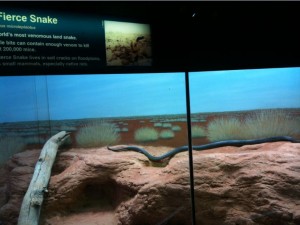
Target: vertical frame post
{"points": [[191, 167]]}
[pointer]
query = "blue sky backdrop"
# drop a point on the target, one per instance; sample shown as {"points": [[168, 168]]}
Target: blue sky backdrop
{"points": [[26, 98], [236, 90], [92, 96], [116, 95]]}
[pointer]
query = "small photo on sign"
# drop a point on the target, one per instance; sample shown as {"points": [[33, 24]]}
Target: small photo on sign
{"points": [[127, 44]]}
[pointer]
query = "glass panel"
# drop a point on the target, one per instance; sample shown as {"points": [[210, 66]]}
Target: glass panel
{"points": [[23, 114], [24, 128], [237, 181], [90, 183]]}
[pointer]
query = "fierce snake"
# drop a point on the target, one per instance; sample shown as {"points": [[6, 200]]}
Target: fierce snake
{"points": [[217, 144]]}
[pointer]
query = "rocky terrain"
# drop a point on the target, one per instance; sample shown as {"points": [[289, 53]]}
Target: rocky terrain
{"points": [[249, 185]]}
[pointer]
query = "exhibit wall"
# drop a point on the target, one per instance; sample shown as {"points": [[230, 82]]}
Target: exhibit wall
{"points": [[171, 113]]}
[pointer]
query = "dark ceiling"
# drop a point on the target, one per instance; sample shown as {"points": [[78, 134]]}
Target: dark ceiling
{"points": [[207, 35]]}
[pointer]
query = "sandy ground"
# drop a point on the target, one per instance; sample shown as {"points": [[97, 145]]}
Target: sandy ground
{"points": [[86, 218]]}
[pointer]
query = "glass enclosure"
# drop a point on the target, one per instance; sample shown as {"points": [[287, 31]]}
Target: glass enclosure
{"points": [[118, 116], [126, 160], [24, 114], [247, 99], [147, 111], [232, 183]]}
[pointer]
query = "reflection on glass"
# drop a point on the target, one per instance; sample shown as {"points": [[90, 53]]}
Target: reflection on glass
{"points": [[236, 184]]}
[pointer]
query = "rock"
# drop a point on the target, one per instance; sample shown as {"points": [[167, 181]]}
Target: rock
{"points": [[249, 185], [16, 176]]}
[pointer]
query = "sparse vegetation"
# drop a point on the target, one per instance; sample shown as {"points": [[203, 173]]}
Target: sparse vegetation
{"points": [[157, 124], [261, 124], [146, 134], [176, 128], [97, 134], [167, 125], [10, 146], [268, 123], [166, 134], [224, 129], [198, 131]]}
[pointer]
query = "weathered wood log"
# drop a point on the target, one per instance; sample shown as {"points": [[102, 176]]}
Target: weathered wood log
{"points": [[33, 199]]}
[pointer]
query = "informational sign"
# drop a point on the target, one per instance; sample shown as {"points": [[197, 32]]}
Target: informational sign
{"points": [[47, 42], [127, 44]]}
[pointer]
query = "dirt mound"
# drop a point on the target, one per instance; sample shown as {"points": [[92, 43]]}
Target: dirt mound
{"points": [[257, 184]]}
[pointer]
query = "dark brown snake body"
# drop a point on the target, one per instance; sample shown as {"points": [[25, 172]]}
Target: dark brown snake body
{"points": [[217, 144]]}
